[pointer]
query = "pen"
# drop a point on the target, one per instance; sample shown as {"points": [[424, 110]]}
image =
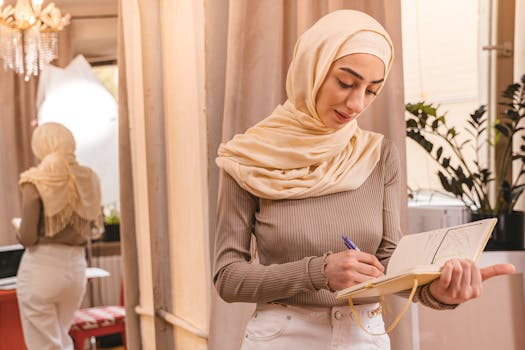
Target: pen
{"points": [[349, 244]]}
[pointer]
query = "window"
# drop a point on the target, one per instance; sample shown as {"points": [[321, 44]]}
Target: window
{"points": [[444, 65]]}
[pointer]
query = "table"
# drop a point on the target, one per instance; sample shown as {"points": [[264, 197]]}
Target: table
{"points": [[11, 336]]}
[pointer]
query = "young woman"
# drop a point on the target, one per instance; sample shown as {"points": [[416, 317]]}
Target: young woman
{"points": [[61, 211], [305, 176]]}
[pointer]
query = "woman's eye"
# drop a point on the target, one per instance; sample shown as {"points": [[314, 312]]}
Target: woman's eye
{"points": [[371, 92], [343, 85]]}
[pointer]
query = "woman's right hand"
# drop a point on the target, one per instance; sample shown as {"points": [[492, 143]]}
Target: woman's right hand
{"points": [[351, 267]]}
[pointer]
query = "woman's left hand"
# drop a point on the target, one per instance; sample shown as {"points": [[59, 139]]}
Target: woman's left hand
{"points": [[461, 280]]}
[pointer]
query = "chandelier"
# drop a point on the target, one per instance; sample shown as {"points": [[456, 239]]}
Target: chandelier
{"points": [[29, 35]]}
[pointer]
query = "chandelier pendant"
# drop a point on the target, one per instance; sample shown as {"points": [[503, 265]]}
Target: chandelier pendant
{"points": [[29, 35]]}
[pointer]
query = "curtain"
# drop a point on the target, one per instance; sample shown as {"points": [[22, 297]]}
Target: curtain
{"points": [[128, 242], [163, 153], [18, 112], [255, 62]]}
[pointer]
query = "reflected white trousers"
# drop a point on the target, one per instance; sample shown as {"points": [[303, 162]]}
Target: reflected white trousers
{"points": [[51, 281], [285, 327]]}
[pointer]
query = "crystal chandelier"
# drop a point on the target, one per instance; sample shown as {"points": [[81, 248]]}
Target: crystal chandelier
{"points": [[29, 35]]}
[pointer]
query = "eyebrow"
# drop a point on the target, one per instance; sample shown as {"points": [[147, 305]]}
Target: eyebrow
{"points": [[359, 76]]}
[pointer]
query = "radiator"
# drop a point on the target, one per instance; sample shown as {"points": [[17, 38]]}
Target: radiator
{"points": [[104, 290]]}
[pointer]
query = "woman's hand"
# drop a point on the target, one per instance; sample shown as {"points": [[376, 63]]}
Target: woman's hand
{"points": [[350, 267], [461, 280]]}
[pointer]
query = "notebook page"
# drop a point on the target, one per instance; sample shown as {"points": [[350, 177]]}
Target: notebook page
{"points": [[437, 246]]}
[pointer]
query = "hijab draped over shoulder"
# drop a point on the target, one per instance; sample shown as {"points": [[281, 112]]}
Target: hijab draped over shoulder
{"points": [[291, 154], [70, 193]]}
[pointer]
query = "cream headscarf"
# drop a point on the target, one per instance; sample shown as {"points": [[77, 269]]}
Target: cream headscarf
{"points": [[70, 192], [291, 154]]}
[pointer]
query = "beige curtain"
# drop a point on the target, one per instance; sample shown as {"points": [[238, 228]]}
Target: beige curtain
{"points": [[255, 61], [128, 242], [18, 112], [163, 156]]}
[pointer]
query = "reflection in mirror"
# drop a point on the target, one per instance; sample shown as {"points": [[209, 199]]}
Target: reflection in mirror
{"points": [[75, 97]]}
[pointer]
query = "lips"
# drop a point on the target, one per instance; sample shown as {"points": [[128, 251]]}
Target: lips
{"points": [[342, 117]]}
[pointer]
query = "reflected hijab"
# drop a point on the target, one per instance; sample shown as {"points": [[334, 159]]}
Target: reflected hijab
{"points": [[291, 154], [70, 193]]}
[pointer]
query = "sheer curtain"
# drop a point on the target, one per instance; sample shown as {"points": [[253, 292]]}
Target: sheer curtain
{"points": [[255, 55]]}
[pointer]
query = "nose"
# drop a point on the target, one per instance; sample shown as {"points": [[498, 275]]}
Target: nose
{"points": [[355, 101]]}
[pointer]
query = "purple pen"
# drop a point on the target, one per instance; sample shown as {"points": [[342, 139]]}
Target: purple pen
{"points": [[349, 244]]}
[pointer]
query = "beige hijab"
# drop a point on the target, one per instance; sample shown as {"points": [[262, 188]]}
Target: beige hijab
{"points": [[291, 154], [70, 192]]}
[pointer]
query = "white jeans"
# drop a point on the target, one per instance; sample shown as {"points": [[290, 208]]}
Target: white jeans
{"points": [[51, 281], [285, 327]]}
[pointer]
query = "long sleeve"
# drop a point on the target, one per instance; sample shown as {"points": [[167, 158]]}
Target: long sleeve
{"points": [[31, 211], [391, 206], [238, 278]]}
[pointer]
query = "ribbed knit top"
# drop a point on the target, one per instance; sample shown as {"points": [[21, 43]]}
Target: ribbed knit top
{"points": [[294, 235]]}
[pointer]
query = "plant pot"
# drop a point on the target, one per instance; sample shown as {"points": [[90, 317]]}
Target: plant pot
{"points": [[111, 233], [508, 233]]}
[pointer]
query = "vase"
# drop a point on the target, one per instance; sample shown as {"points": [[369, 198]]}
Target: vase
{"points": [[111, 233], [508, 233]]}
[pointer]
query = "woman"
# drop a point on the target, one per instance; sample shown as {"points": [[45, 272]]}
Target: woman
{"points": [[61, 211], [303, 177]]}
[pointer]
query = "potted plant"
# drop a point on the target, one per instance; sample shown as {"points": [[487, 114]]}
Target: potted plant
{"points": [[111, 223], [470, 182]]}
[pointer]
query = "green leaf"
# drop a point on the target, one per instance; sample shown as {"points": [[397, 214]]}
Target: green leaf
{"points": [[502, 129], [439, 152], [411, 123]]}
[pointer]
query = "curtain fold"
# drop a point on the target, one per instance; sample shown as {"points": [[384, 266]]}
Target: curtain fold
{"points": [[128, 239], [17, 113], [163, 46], [258, 49]]}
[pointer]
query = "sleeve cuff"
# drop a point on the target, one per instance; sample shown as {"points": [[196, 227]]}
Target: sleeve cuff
{"points": [[316, 272], [316, 267], [426, 298]]}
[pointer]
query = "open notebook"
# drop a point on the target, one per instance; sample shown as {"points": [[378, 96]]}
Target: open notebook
{"points": [[420, 257]]}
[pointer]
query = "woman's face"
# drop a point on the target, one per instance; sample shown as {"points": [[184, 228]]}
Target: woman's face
{"points": [[350, 85]]}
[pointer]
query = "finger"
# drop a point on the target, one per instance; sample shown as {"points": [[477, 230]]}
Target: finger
{"points": [[368, 270], [446, 276], [476, 282], [466, 268], [466, 287], [369, 259], [457, 275], [496, 270]]}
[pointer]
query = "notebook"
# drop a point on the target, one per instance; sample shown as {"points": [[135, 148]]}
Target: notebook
{"points": [[420, 257]]}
